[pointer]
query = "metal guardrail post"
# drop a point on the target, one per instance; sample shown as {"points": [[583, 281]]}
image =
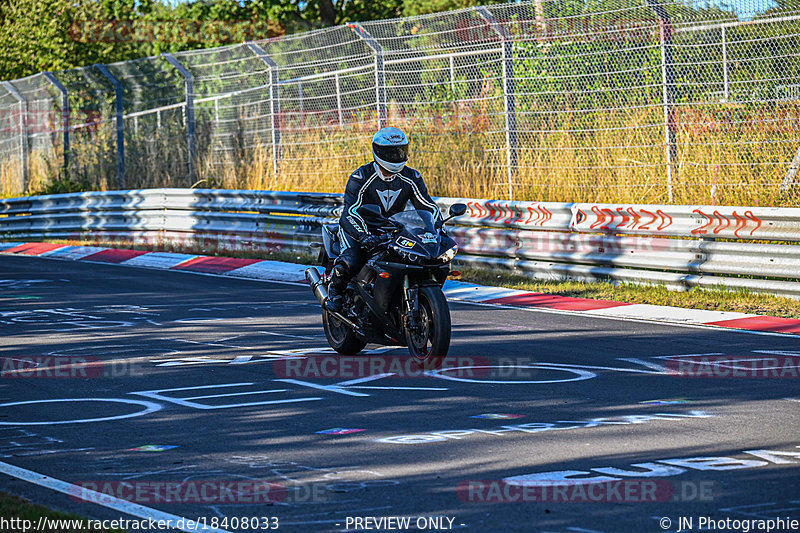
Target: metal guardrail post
{"points": [[509, 96], [119, 111], [274, 101], [380, 70], [23, 131], [666, 32], [191, 135], [64, 115]]}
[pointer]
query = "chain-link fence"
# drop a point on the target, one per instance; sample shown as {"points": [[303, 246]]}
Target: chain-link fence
{"points": [[610, 100]]}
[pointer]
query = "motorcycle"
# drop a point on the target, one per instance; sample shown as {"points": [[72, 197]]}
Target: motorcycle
{"points": [[396, 299]]}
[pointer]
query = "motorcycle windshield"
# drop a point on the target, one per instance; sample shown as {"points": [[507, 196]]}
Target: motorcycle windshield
{"points": [[420, 224], [416, 221]]}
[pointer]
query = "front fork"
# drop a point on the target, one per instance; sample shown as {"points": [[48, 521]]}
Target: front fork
{"points": [[411, 302]]}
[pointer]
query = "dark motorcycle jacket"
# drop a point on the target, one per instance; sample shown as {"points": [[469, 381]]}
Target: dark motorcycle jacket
{"points": [[366, 186]]}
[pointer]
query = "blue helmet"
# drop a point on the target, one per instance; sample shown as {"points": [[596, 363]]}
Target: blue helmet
{"points": [[390, 149]]}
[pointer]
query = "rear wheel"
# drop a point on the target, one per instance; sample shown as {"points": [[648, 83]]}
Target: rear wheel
{"points": [[429, 342], [340, 337]]}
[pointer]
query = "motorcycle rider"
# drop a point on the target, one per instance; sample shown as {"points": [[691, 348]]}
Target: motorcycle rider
{"points": [[386, 182]]}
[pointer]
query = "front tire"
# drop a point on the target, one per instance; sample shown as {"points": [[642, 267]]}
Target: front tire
{"points": [[340, 337], [429, 344]]}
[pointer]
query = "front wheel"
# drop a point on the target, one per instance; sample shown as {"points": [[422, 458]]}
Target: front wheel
{"points": [[340, 337], [429, 342]]}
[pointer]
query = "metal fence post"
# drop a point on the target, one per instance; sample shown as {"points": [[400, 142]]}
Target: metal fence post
{"points": [[725, 79], [339, 99], [64, 115], [380, 71], [509, 97], [300, 96], [119, 113], [791, 173], [452, 75], [274, 101], [666, 31], [191, 135], [23, 132]]}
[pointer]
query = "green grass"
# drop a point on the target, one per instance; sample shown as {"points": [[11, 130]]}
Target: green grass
{"points": [[716, 299], [13, 507]]}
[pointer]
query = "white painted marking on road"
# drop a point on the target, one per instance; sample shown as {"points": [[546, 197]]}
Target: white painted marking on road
{"points": [[187, 341], [331, 388], [198, 319], [149, 407], [315, 337], [199, 360], [117, 504], [668, 314], [686, 355], [580, 374], [649, 364], [788, 353], [158, 260], [187, 401], [364, 379], [48, 452], [234, 394], [567, 366], [398, 388]]}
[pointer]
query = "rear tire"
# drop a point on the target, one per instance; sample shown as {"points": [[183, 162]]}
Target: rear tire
{"points": [[340, 337], [429, 345]]}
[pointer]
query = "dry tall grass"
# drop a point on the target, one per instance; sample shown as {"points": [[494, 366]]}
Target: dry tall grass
{"points": [[738, 157]]}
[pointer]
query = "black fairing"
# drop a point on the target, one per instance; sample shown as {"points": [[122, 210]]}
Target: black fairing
{"points": [[416, 252]]}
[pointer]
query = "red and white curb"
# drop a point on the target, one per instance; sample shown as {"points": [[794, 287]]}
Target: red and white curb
{"points": [[454, 290]]}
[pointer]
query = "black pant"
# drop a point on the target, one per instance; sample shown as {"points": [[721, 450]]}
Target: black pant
{"points": [[350, 261]]}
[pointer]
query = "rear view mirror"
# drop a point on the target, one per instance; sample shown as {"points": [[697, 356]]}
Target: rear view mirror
{"points": [[371, 211], [456, 210]]}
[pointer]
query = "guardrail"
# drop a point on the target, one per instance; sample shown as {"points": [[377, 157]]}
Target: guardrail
{"points": [[678, 246]]}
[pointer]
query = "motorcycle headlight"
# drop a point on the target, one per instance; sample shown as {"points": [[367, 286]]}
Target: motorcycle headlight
{"points": [[448, 255], [409, 256]]}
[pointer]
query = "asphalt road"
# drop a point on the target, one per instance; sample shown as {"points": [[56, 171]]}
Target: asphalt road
{"points": [[196, 367]]}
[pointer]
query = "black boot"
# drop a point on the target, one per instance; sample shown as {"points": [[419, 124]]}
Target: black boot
{"points": [[334, 300], [339, 279]]}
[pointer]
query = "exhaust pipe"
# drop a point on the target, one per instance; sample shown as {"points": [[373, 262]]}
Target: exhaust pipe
{"points": [[321, 292], [315, 280]]}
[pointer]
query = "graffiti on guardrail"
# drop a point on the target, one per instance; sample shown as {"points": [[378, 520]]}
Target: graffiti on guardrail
{"points": [[739, 223], [509, 212], [718, 222], [630, 218]]}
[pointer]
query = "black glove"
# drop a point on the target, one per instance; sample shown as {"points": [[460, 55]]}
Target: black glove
{"points": [[371, 241]]}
